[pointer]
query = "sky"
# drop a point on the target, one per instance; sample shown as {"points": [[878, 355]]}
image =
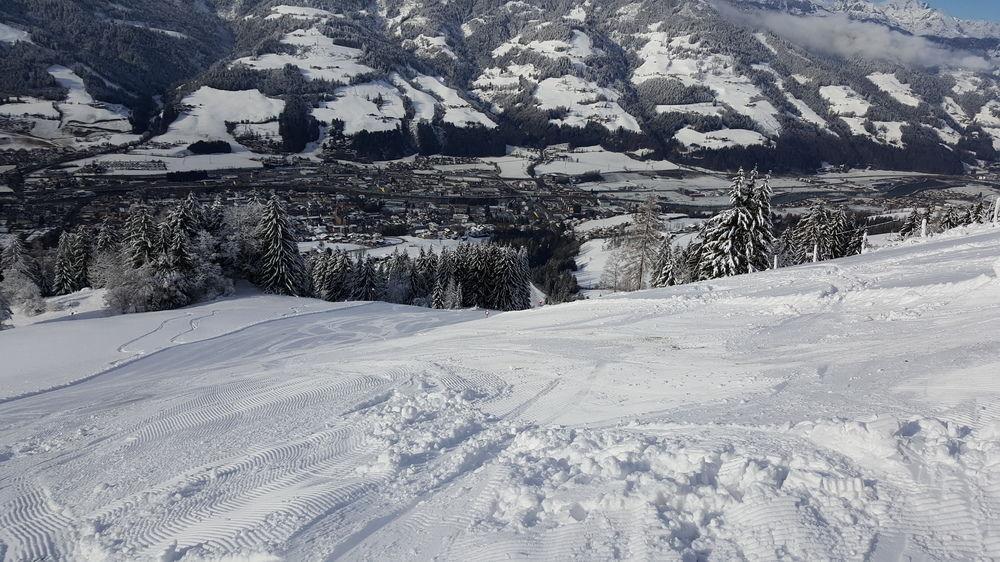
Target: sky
{"points": [[969, 9]]}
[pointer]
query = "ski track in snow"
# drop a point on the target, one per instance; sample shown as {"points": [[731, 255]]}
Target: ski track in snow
{"points": [[839, 410]]}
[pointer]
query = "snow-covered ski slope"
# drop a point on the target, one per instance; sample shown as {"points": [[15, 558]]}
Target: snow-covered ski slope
{"points": [[847, 410]]}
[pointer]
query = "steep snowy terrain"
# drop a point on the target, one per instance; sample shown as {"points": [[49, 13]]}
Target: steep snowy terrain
{"points": [[841, 410]]}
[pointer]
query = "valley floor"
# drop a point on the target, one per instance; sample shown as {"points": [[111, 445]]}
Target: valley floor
{"points": [[840, 410]]}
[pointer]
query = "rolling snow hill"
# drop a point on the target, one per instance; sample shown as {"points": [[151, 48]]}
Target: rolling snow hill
{"points": [[839, 410]]}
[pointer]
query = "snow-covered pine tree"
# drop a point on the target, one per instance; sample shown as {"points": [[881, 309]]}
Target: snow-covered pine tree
{"points": [[338, 279], [814, 231], [5, 312], [141, 237], [398, 274], [281, 269], [950, 219], [438, 296], [841, 233], [663, 270], [319, 265], [454, 299], [366, 281], [522, 294], [761, 238], [911, 224], [506, 274], [71, 264], [725, 245], [190, 215], [423, 277], [15, 256], [107, 238], [176, 253]]}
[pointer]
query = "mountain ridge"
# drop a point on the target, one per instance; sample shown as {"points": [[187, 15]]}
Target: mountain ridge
{"points": [[668, 77]]}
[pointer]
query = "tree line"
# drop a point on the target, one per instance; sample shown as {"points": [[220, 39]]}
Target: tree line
{"points": [[744, 239], [196, 252]]}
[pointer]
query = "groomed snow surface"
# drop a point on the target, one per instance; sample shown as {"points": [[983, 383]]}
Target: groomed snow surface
{"points": [[840, 410]]}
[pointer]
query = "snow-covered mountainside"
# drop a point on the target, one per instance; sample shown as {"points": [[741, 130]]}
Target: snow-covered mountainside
{"points": [[840, 410], [717, 83]]}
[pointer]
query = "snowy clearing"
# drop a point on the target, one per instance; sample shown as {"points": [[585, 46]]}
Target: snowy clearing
{"points": [[839, 410], [13, 35], [316, 56]]}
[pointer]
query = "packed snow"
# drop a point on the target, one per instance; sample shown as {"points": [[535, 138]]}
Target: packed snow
{"points": [[838, 410]]}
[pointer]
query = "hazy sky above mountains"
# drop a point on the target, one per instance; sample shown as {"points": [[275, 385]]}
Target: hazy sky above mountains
{"points": [[969, 9]]}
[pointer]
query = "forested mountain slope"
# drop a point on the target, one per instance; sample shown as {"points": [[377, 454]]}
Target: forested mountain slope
{"points": [[783, 83]]}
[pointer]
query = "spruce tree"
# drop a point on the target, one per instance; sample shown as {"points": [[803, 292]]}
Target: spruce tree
{"points": [[725, 246], [71, 264], [140, 243], [367, 285], [15, 256], [438, 296], [107, 238], [281, 268], [506, 275], [523, 288], [911, 224], [762, 227], [815, 231], [663, 270], [177, 254]]}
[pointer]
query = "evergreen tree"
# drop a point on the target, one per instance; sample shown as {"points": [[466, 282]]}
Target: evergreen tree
{"points": [[761, 238], [398, 279], [177, 253], [140, 244], [911, 224], [15, 256], [107, 238], [366, 282], [950, 219], [522, 289], [506, 273], [841, 233], [663, 269], [725, 246], [439, 295], [814, 232], [71, 264], [5, 312], [282, 270]]}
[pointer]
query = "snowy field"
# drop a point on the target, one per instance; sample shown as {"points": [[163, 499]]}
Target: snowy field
{"points": [[845, 410]]}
